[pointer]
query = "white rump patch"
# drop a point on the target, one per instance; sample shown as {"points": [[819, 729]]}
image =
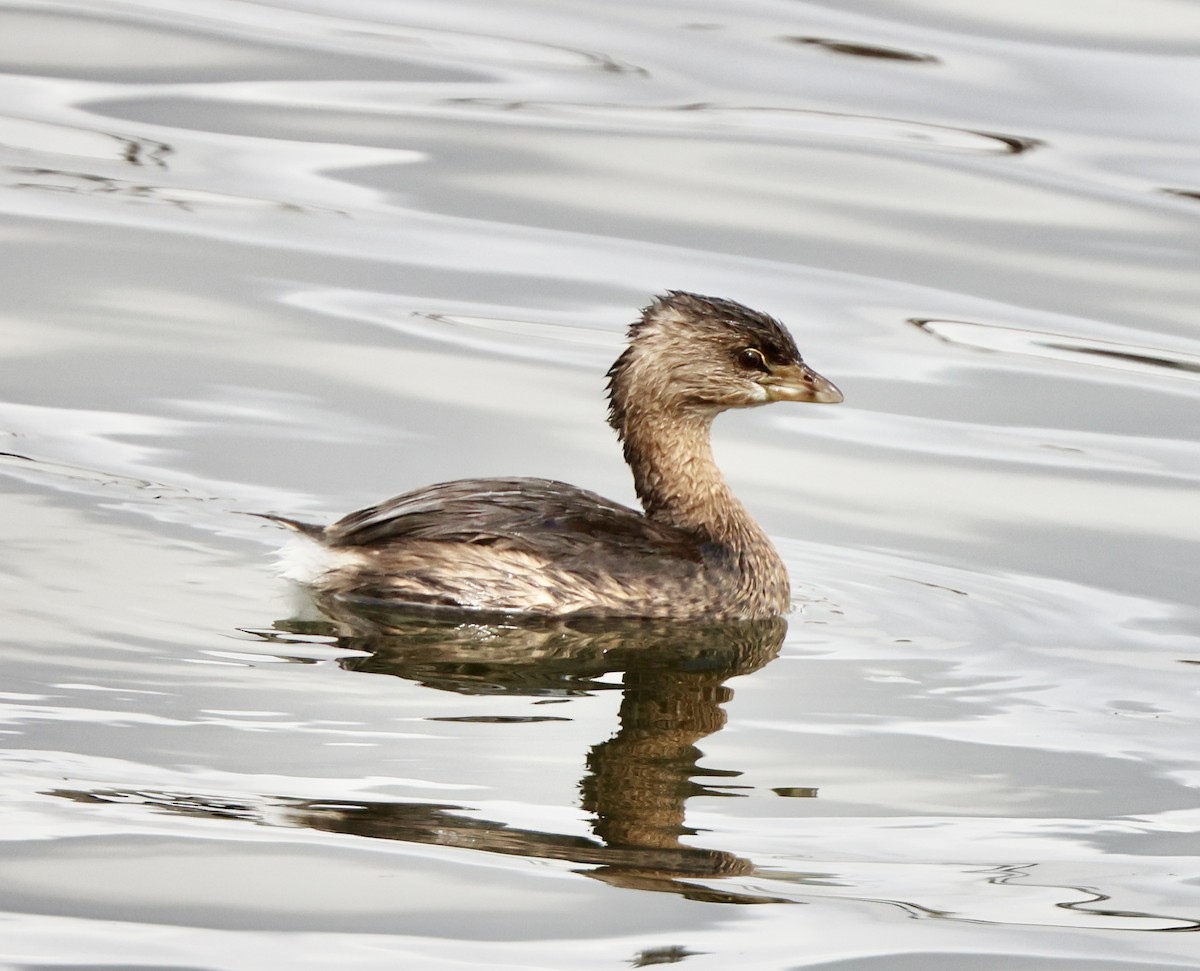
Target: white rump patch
{"points": [[303, 560]]}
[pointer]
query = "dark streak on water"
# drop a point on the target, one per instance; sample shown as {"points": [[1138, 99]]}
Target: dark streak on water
{"points": [[865, 50]]}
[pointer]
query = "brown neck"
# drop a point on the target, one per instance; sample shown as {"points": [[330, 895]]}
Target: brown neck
{"points": [[668, 448], [679, 483]]}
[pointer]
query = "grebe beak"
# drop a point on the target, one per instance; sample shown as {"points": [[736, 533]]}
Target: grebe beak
{"points": [[799, 382]]}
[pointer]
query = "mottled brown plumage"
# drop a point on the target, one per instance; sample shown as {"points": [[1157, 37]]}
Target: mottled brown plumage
{"points": [[538, 546]]}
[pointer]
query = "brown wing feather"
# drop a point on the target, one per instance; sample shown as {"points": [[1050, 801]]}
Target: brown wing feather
{"points": [[538, 516]]}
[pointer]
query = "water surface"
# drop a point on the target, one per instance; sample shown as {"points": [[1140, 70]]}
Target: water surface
{"points": [[299, 257]]}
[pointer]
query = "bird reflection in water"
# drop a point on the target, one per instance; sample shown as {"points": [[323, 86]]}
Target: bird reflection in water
{"points": [[638, 781]]}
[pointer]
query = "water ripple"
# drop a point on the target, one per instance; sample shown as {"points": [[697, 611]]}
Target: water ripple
{"points": [[859, 49], [188, 200], [775, 122], [24, 135], [1061, 347]]}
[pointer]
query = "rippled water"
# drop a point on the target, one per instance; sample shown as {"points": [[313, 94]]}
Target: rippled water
{"points": [[300, 257]]}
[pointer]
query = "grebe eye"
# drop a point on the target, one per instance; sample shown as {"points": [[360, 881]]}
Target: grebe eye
{"points": [[752, 359]]}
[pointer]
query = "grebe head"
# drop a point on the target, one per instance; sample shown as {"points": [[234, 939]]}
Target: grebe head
{"points": [[691, 355]]}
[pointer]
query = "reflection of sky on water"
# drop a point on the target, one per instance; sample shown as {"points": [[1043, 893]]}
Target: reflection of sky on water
{"points": [[300, 258]]}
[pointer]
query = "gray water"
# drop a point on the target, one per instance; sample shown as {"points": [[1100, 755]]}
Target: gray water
{"points": [[300, 257]]}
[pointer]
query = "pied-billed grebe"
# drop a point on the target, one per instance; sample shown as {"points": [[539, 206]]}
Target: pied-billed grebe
{"points": [[543, 547]]}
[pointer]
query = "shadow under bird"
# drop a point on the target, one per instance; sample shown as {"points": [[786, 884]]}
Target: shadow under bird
{"points": [[536, 546]]}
